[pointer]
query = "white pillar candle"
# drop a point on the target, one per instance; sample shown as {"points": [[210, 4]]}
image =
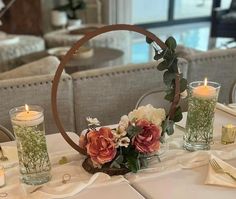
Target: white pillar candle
{"points": [[28, 117], [204, 91]]}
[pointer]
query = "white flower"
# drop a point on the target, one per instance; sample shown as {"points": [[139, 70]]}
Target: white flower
{"points": [[93, 121], [124, 142], [122, 126], [120, 132], [148, 112], [124, 121], [184, 94]]}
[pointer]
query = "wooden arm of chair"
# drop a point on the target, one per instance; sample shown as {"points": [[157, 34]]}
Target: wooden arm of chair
{"points": [[8, 133]]}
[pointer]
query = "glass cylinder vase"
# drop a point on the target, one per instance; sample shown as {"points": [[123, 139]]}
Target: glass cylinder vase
{"points": [[201, 109], [28, 126]]}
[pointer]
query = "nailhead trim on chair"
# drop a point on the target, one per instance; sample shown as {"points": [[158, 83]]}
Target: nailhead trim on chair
{"points": [[212, 58], [119, 73], [33, 84]]}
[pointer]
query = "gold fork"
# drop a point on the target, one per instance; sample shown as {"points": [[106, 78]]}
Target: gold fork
{"points": [[218, 169]]}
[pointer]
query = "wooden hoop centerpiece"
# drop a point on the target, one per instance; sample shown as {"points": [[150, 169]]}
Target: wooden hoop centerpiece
{"points": [[69, 55]]}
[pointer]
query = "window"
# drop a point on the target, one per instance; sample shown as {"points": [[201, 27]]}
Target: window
{"points": [[191, 9], [149, 11]]}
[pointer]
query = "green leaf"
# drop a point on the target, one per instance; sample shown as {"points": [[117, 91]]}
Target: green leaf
{"points": [[171, 43], [115, 164], [157, 56], [170, 95], [168, 77], [178, 114], [148, 40], [167, 54], [118, 161], [133, 162], [133, 130], [168, 127], [162, 66], [173, 66], [183, 85]]}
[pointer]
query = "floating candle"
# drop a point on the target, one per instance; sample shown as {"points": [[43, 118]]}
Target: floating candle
{"points": [[204, 91], [28, 117]]}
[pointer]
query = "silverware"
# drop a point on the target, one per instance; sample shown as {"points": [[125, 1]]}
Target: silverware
{"points": [[218, 169], [3, 157]]}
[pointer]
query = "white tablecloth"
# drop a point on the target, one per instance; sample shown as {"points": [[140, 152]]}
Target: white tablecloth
{"points": [[180, 175]]}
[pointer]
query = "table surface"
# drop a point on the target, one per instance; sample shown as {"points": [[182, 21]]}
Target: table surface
{"points": [[101, 56], [165, 180]]}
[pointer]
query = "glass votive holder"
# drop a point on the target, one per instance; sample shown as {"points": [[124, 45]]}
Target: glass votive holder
{"points": [[228, 134], [202, 100], [28, 126]]}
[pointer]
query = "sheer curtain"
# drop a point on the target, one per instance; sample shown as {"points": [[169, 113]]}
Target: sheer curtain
{"points": [[117, 11]]}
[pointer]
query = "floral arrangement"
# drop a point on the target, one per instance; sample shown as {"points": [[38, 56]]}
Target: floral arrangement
{"points": [[139, 134]]}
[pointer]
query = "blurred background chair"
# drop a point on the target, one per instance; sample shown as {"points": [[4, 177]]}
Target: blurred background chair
{"points": [[223, 20], [5, 134]]}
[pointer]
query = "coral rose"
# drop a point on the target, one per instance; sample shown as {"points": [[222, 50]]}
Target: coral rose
{"points": [[147, 141], [100, 146]]}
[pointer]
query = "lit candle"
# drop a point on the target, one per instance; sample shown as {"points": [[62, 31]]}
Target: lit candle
{"points": [[204, 91], [28, 117]]}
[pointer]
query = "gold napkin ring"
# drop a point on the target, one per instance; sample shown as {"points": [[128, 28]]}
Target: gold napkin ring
{"points": [[66, 178]]}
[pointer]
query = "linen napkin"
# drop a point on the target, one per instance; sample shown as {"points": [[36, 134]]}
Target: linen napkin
{"points": [[226, 109], [58, 190], [221, 179], [11, 153]]}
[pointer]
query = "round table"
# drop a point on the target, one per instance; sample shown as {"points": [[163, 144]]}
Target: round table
{"points": [[102, 57], [67, 37]]}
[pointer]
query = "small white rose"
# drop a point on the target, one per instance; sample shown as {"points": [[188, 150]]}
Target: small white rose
{"points": [[148, 112], [124, 121], [124, 142], [93, 121]]}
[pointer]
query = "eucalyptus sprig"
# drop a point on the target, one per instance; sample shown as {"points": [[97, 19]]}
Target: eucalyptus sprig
{"points": [[173, 79]]}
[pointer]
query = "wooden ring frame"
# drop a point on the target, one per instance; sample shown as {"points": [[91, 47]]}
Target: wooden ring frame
{"points": [[69, 55]]}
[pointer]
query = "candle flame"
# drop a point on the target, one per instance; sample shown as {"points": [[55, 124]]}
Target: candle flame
{"points": [[205, 81], [26, 107]]}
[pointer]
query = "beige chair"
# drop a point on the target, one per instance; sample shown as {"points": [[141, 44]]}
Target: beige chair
{"points": [[216, 65], [31, 84], [44, 66], [109, 93]]}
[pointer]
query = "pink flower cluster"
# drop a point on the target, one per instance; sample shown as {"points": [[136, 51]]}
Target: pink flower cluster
{"points": [[101, 144]]}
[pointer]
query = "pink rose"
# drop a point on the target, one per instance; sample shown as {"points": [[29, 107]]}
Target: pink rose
{"points": [[148, 140], [100, 146]]}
